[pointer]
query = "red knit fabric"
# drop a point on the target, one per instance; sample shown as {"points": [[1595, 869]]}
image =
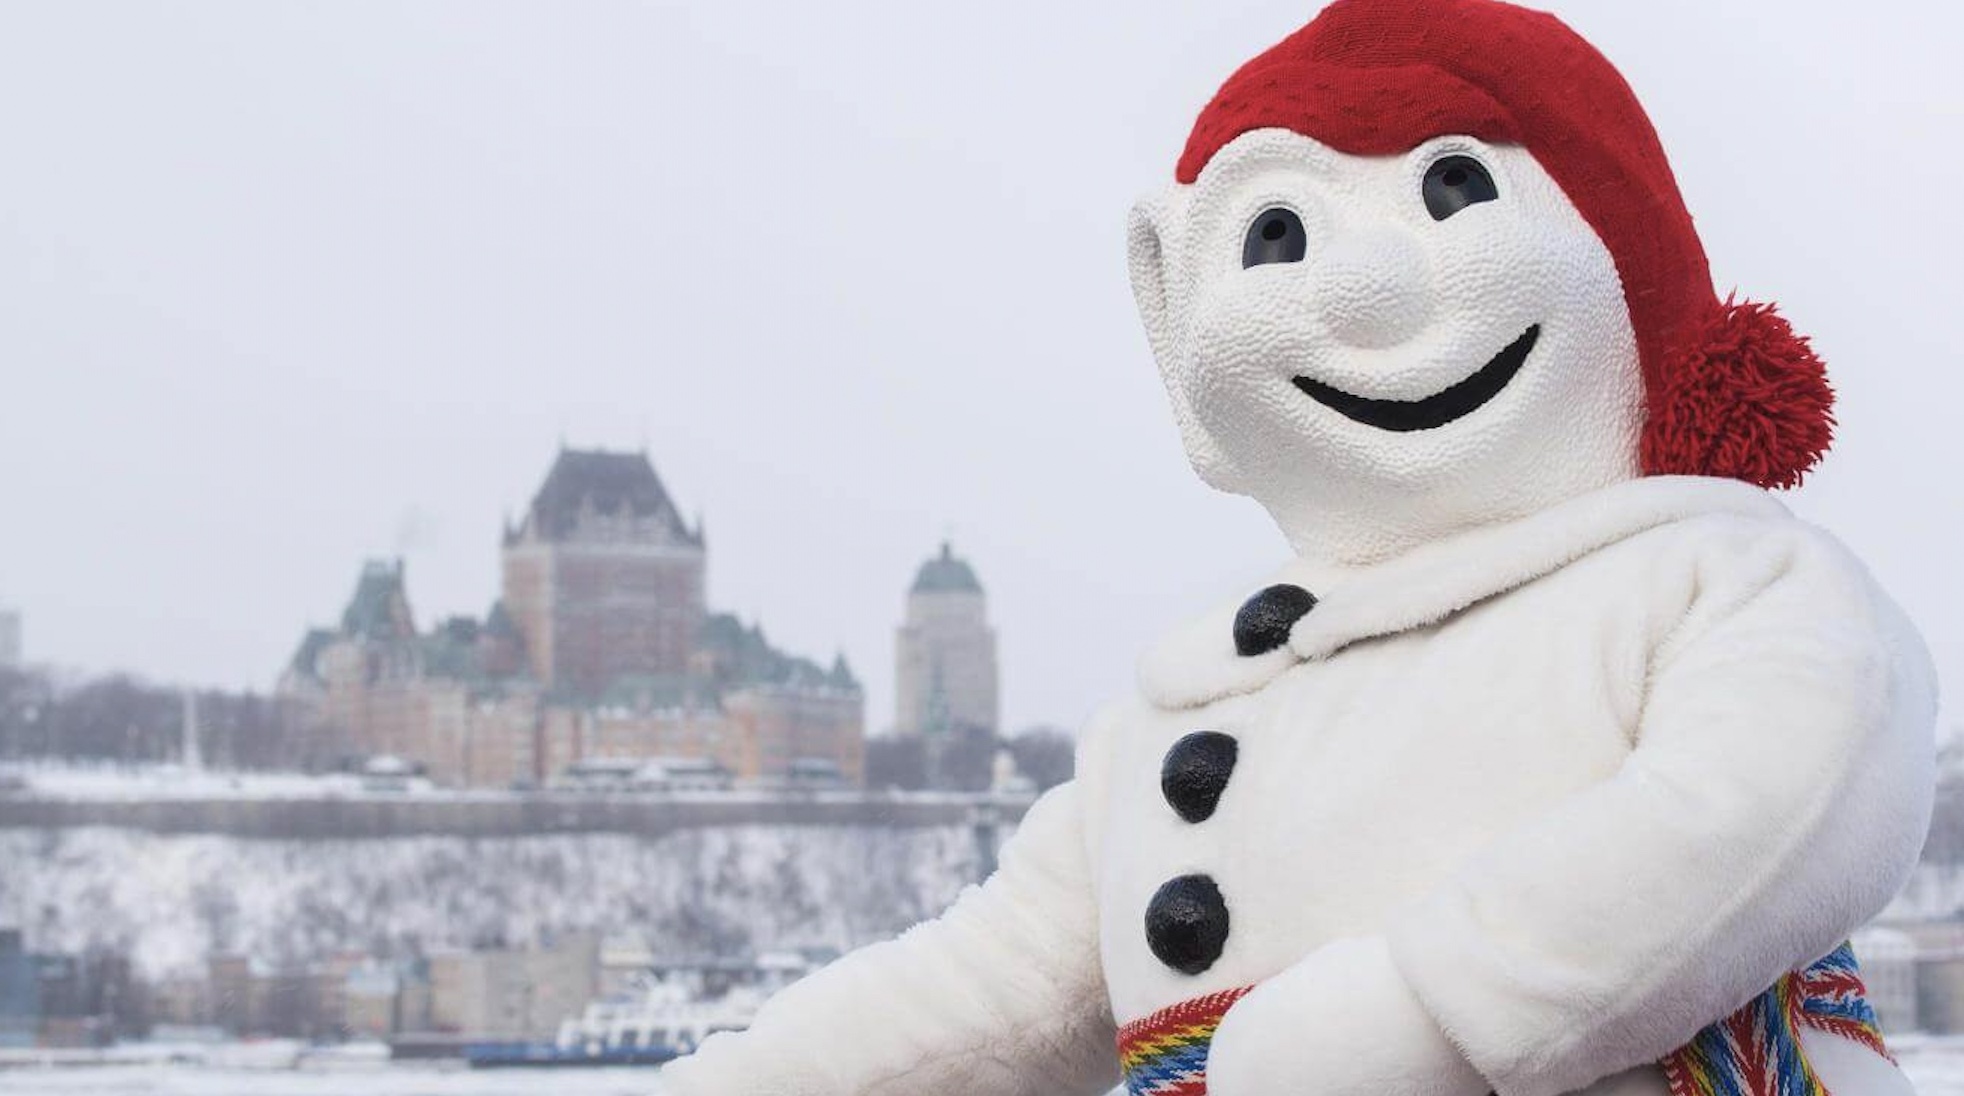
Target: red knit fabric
{"points": [[1747, 399], [1378, 77]]}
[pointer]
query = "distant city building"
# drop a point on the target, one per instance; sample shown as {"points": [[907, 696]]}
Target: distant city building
{"points": [[601, 647], [10, 642], [371, 1001], [20, 992], [514, 994], [945, 652], [58, 1000], [603, 578], [191, 734]]}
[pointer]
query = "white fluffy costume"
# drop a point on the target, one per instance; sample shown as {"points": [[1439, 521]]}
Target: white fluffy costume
{"points": [[1561, 758]]}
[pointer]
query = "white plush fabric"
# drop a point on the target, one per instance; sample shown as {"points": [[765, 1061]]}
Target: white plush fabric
{"points": [[1002, 996], [1563, 766], [1198, 663], [1584, 807], [1748, 826], [1387, 304], [1324, 1027], [1847, 1066]]}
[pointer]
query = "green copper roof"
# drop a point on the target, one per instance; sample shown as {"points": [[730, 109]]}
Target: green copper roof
{"points": [[946, 573], [379, 608]]}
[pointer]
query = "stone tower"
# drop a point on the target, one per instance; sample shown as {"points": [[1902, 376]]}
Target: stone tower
{"points": [[603, 578], [10, 646], [945, 652]]}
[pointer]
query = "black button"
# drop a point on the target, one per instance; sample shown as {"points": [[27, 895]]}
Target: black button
{"points": [[1196, 772], [1187, 923], [1262, 624]]}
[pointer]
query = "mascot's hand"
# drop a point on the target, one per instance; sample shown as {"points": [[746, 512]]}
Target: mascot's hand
{"points": [[1341, 1022]]}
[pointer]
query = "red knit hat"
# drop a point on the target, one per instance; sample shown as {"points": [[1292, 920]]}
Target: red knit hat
{"points": [[1731, 389]]}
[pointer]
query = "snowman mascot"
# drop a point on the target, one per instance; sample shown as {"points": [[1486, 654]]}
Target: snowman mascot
{"points": [[1560, 758]]}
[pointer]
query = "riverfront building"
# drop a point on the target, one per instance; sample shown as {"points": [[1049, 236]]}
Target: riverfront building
{"points": [[600, 646], [945, 653]]}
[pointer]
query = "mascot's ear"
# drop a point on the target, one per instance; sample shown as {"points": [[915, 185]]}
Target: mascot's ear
{"points": [[1747, 399], [1149, 230], [1146, 251]]}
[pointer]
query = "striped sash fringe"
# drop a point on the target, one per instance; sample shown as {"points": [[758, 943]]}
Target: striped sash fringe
{"points": [[1757, 1052], [1754, 1052]]}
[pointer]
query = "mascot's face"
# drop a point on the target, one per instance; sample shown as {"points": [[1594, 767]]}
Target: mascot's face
{"points": [[1384, 350]]}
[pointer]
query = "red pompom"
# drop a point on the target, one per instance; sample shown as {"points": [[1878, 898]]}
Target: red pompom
{"points": [[1748, 399]]}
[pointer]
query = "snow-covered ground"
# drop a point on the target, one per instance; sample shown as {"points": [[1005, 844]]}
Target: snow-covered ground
{"points": [[387, 1081], [114, 782], [155, 782], [170, 901], [1935, 1066]]}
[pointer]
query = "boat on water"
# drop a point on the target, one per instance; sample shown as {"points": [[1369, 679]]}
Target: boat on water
{"points": [[667, 1020]]}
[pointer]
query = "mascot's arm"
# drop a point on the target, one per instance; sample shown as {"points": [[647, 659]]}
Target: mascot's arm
{"points": [[1003, 995], [1777, 796]]}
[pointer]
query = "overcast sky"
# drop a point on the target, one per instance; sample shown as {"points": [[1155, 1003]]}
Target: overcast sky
{"points": [[284, 286]]}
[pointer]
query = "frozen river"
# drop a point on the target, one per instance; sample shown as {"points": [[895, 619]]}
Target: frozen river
{"points": [[406, 1080], [1935, 1066]]}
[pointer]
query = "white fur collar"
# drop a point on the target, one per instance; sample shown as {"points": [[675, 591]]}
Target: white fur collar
{"points": [[1196, 664]]}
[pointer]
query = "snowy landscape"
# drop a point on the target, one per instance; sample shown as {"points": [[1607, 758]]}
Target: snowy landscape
{"points": [[399, 1081], [168, 902], [418, 412], [1934, 1066]]}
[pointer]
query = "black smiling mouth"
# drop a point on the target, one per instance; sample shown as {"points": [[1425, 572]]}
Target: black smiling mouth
{"points": [[1435, 410]]}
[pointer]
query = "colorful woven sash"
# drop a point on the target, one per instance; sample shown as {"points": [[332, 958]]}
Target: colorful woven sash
{"points": [[1165, 1054], [1754, 1052]]}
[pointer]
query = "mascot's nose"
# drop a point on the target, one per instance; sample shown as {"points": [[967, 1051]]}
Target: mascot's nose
{"points": [[1373, 287]]}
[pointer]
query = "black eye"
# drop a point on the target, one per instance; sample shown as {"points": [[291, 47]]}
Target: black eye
{"points": [[1277, 236], [1454, 183]]}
